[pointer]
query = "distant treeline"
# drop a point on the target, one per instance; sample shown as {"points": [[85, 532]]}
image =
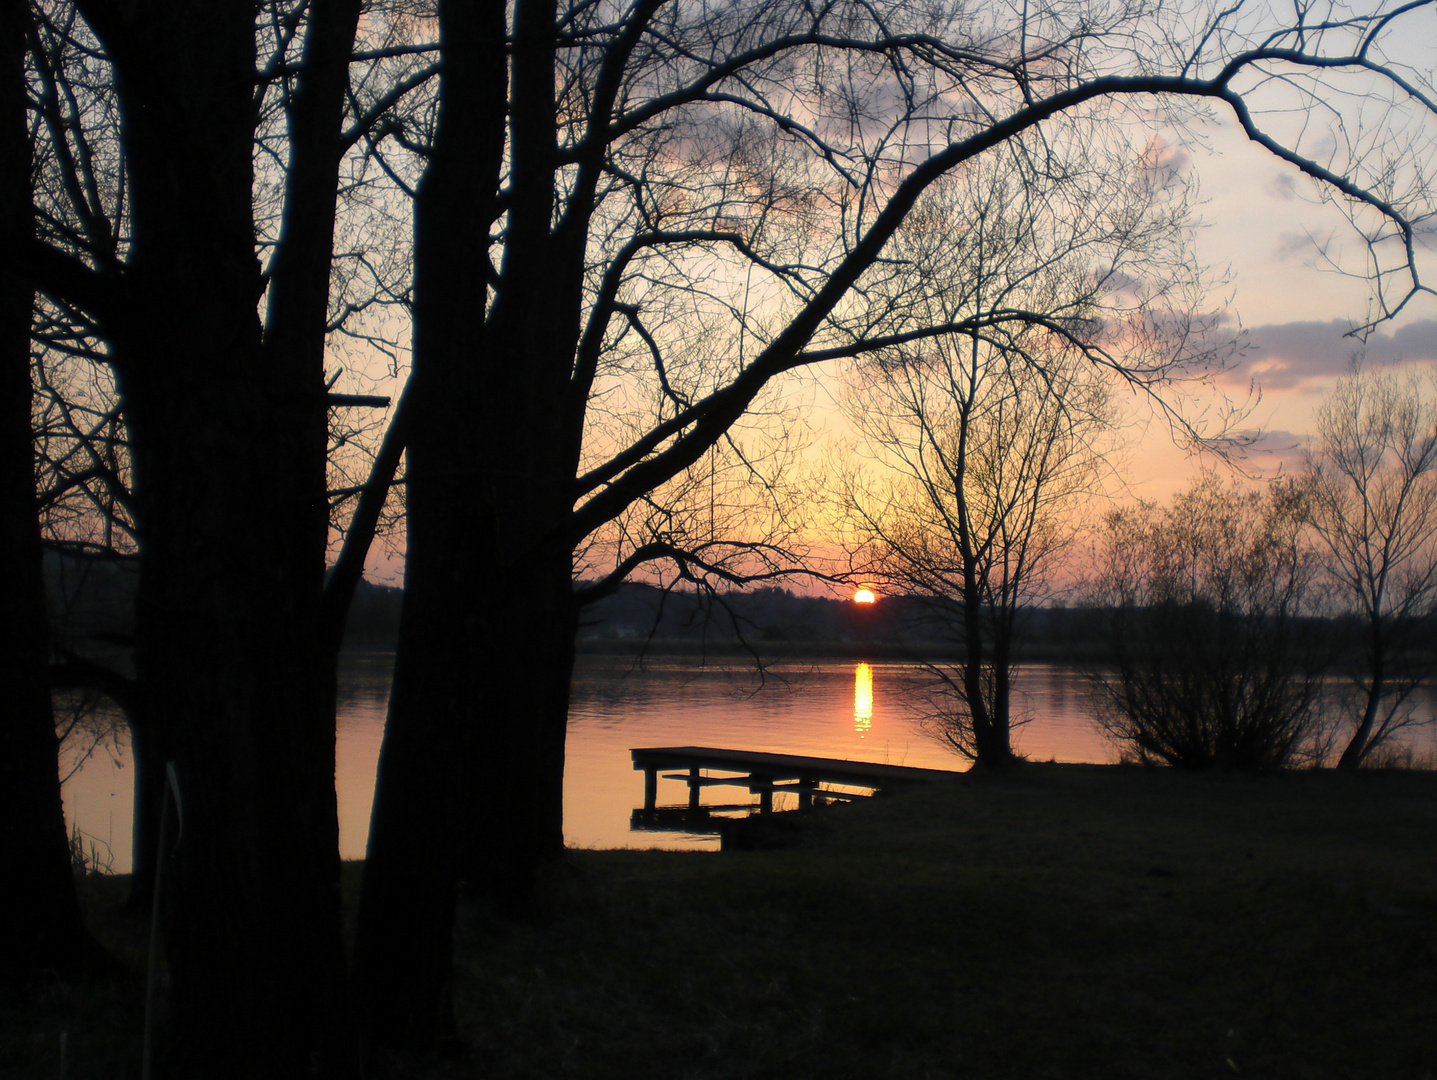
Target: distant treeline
{"points": [[771, 622], [776, 622], [94, 600]]}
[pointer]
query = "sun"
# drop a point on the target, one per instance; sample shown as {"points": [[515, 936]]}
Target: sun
{"points": [[864, 594]]}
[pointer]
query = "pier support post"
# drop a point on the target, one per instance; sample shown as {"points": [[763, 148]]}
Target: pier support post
{"points": [[806, 788], [765, 794], [651, 789], [694, 787]]}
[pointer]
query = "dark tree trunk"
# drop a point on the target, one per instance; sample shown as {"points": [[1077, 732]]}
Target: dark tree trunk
{"points": [[471, 773], [516, 816], [42, 928], [1360, 743], [988, 705], [228, 457], [149, 793], [295, 331], [991, 746], [974, 655], [983, 649], [403, 948]]}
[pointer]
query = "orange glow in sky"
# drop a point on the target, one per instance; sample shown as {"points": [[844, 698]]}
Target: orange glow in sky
{"points": [[864, 594]]}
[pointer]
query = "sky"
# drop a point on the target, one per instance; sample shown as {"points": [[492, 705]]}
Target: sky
{"points": [[1262, 222], [1261, 218]]}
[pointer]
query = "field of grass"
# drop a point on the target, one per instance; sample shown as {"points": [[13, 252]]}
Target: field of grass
{"points": [[1063, 921]]}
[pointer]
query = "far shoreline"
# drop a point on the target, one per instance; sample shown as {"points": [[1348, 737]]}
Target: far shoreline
{"points": [[769, 651]]}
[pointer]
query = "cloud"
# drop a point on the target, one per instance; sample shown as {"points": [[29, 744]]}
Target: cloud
{"points": [[1290, 244], [1167, 161], [1282, 186], [1271, 452], [1281, 356]]}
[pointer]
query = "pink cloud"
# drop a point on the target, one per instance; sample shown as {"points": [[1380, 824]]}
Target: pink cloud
{"points": [[1281, 356], [1271, 452]]}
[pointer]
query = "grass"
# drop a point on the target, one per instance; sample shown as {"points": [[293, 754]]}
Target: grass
{"points": [[1063, 921]]}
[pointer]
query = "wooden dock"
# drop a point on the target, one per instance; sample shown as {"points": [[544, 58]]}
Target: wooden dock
{"points": [[764, 773]]}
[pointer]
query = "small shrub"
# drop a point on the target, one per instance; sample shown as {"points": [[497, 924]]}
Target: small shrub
{"points": [[1211, 665]]}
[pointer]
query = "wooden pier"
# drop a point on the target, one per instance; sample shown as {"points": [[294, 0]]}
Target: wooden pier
{"points": [[764, 773]]}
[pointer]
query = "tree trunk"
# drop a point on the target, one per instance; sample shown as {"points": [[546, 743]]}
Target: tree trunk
{"points": [[224, 637], [1358, 746], [471, 772], [992, 744], [516, 815], [43, 930], [149, 794], [990, 739], [403, 947], [229, 493]]}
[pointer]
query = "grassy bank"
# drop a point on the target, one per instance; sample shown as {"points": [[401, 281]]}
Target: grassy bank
{"points": [[1062, 922]]}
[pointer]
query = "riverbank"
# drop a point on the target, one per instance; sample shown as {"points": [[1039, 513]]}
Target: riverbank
{"points": [[1065, 921]]}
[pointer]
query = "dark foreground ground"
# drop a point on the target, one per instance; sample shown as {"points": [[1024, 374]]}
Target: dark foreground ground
{"points": [[1065, 921]]}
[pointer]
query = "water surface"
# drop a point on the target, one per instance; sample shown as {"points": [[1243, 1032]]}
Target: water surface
{"points": [[841, 709]]}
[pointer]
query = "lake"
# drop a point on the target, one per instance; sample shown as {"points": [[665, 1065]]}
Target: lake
{"points": [[827, 708]]}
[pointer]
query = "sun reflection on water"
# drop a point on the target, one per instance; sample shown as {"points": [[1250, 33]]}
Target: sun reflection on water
{"points": [[863, 699]]}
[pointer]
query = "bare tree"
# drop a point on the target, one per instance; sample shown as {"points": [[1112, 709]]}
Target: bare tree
{"points": [[983, 502], [687, 197], [986, 438], [198, 248], [638, 191], [1371, 472], [1203, 601], [43, 932]]}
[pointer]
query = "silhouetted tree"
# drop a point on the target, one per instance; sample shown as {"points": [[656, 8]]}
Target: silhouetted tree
{"points": [[1372, 477], [680, 205], [227, 449], [42, 929], [83, 210], [1203, 601], [985, 439], [636, 221], [226, 408]]}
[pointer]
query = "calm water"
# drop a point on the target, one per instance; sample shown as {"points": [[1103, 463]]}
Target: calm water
{"points": [[841, 709], [857, 711]]}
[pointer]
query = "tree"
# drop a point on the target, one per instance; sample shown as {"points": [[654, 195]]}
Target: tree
{"points": [[991, 435], [83, 210], [220, 362], [688, 203], [1372, 475], [228, 637], [1210, 668], [669, 205], [986, 483], [43, 931]]}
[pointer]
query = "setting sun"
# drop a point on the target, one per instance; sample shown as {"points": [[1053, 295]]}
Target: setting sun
{"points": [[864, 594]]}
